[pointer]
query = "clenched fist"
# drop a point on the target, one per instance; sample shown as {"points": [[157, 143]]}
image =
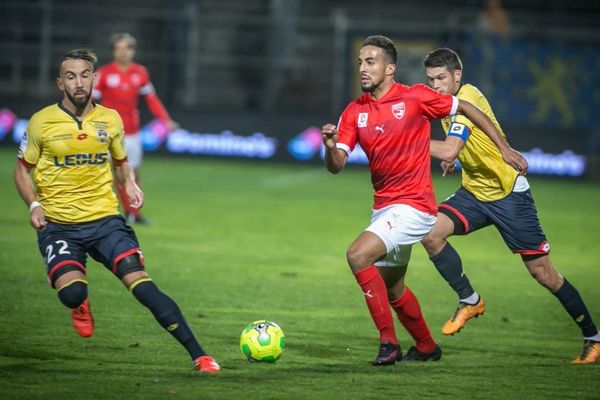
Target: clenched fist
{"points": [[330, 136]]}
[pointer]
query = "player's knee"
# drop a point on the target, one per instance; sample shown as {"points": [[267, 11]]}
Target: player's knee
{"points": [[357, 258], [128, 265], [73, 293], [543, 272], [433, 243], [543, 278], [66, 274]]}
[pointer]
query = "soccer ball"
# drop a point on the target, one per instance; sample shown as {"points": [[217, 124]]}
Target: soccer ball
{"points": [[262, 341]]}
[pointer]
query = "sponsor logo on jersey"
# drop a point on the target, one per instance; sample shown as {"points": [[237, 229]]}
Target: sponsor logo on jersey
{"points": [[102, 136], [73, 160], [113, 80], [99, 124], [60, 137], [362, 120], [398, 110], [82, 136]]}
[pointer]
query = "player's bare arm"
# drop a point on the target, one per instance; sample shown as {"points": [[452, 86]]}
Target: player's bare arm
{"points": [[510, 156], [25, 189], [446, 150], [126, 177], [335, 159]]}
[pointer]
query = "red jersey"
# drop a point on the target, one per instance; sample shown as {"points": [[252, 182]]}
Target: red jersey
{"points": [[394, 132], [120, 90]]}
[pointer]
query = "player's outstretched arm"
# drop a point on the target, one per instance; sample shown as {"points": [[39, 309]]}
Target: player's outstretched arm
{"points": [[510, 156], [25, 189], [157, 108], [126, 177], [335, 159]]}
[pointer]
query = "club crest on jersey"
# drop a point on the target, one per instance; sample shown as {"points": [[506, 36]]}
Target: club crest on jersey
{"points": [[362, 120], [102, 136], [398, 110]]}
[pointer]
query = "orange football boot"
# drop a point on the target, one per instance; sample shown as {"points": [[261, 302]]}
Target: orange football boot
{"points": [[82, 319], [207, 364], [590, 353], [463, 313]]}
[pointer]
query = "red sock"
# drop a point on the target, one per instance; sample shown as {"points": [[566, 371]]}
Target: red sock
{"points": [[409, 313], [127, 209], [375, 293]]}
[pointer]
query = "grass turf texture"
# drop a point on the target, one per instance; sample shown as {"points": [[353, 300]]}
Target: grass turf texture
{"points": [[234, 242]]}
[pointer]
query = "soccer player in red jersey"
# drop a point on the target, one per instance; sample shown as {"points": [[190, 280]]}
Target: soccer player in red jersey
{"points": [[119, 86], [390, 121]]}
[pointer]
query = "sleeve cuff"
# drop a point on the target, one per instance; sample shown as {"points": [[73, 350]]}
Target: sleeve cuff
{"points": [[344, 147], [119, 162], [454, 108], [25, 163], [147, 89]]}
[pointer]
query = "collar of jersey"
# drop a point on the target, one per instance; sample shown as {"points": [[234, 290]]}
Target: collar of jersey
{"points": [[395, 86], [73, 116], [462, 85]]}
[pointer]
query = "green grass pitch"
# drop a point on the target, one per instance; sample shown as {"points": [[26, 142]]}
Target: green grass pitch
{"points": [[234, 242]]}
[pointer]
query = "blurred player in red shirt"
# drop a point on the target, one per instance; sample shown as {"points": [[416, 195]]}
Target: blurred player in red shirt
{"points": [[390, 121], [119, 86]]}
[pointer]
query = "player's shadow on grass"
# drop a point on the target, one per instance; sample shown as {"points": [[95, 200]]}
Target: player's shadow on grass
{"points": [[39, 355]]}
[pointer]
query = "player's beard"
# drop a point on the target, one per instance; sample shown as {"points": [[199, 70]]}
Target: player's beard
{"points": [[369, 87], [81, 102]]}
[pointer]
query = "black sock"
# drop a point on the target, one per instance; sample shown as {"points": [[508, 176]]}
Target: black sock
{"points": [[572, 302], [168, 315], [449, 265], [74, 294]]}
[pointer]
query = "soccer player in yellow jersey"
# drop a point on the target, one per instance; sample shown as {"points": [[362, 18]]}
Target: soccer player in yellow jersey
{"points": [[492, 193], [69, 146]]}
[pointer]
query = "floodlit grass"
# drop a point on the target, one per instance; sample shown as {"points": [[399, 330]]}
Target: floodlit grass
{"points": [[234, 242]]}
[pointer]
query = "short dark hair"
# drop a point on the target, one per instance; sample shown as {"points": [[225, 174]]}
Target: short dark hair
{"points": [[117, 37], [81, 54], [443, 57], [384, 43]]}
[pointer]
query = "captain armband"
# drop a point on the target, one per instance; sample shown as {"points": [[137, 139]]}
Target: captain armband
{"points": [[459, 130]]}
